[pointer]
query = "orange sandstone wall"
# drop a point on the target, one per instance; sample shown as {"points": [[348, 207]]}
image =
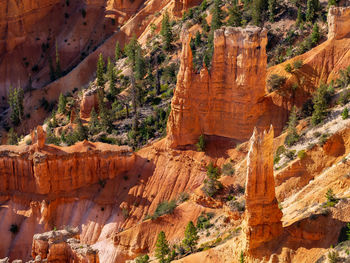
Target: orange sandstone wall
{"points": [[56, 169]]}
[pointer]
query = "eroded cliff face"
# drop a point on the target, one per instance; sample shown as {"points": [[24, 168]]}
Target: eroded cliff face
{"points": [[62, 246], [30, 30], [54, 169], [227, 101], [338, 22], [263, 217]]}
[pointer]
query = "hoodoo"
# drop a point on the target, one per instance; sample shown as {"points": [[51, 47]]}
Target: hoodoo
{"points": [[263, 217], [227, 100]]}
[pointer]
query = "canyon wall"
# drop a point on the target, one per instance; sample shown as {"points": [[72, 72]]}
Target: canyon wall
{"points": [[55, 169], [30, 30], [229, 100], [263, 217]]}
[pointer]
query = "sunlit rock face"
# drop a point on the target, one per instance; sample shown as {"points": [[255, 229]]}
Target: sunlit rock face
{"points": [[263, 217], [225, 101]]}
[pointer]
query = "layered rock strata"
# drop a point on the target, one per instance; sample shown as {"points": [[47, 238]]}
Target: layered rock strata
{"points": [[62, 246], [263, 217], [55, 169], [224, 101]]}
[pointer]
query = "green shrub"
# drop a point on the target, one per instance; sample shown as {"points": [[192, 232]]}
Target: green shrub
{"points": [[345, 114], [275, 82], [330, 195], [298, 64], [163, 208], [344, 97], [280, 150], [333, 256], [142, 259], [201, 144], [236, 206], [183, 197], [288, 68], [323, 139], [211, 184], [290, 154], [227, 169], [301, 154], [203, 221], [29, 142]]}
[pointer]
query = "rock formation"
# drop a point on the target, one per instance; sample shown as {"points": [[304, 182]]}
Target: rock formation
{"points": [[89, 101], [57, 169], [338, 22], [62, 246], [263, 217], [224, 101]]}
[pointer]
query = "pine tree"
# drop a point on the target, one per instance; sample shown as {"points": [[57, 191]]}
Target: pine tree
{"points": [[216, 21], [58, 72], [235, 16], [259, 6], [204, 5], [166, 32], [62, 102], [197, 40], [315, 35], [111, 77], [81, 130], [53, 119], [272, 10], [292, 135], [131, 50], [118, 51], [162, 248], [105, 117], [311, 8], [191, 236], [100, 71], [300, 17], [94, 124], [12, 137], [320, 105], [140, 67], [15, 100]]}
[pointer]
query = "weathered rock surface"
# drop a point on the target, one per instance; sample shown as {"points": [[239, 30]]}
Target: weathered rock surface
{"points": [[63, 246], [227, 101], [89, 101], [338, 22], [263, 217], [55, 169], [30, 30]]}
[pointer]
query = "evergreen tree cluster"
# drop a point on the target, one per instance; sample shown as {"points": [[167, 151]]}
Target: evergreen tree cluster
{"points": [[15, 100]]}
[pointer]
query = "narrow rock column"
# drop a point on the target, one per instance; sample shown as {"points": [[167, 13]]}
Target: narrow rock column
{"points": [[263, 217]]}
